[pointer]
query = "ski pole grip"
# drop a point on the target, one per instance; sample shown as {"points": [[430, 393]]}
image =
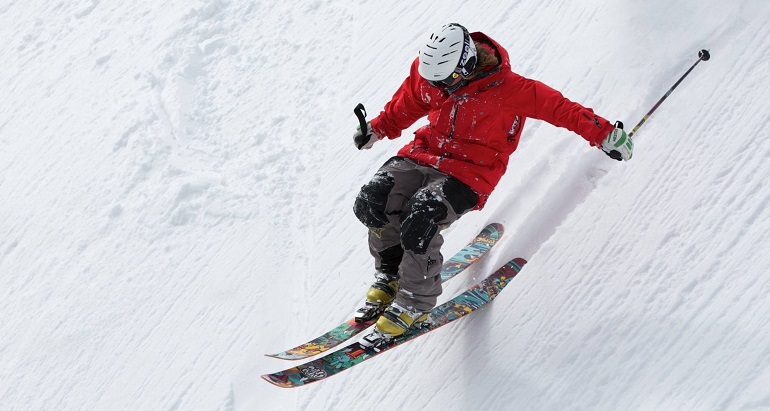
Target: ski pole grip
{"points": [[360, 112]]}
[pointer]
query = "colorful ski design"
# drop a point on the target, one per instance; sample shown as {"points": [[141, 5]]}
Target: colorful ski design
{"points": [[357, 352], [480, 245]]}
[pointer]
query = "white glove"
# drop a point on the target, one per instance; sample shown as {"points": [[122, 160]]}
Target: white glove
{"points": [[365, 141], [618, 145]]}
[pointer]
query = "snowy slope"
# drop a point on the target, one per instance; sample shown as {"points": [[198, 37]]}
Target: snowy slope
{"points": [[177, 182]]}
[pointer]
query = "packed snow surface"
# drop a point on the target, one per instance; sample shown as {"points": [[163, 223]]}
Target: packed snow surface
{"points": [[177, 180]]}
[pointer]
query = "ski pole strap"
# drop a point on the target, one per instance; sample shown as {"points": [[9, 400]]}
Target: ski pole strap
{"points": [[360, 112], [703, 55]]}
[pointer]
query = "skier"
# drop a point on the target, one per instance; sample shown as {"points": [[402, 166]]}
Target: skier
{"points": [[476, 108]]}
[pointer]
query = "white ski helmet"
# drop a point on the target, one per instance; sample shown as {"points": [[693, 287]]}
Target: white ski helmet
{"points": [[448, 53]]}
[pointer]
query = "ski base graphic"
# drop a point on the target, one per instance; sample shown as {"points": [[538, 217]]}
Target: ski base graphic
{"points": [[480, 245], [358, 352]]}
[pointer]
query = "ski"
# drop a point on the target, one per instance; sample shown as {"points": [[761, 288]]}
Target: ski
{"points": [[480, 245], [357, 352]]}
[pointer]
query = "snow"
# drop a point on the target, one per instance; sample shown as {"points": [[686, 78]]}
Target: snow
{"points": [[178, 179]]}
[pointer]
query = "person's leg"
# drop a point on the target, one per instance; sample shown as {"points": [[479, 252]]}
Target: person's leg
{"points": [[379, 206], [434, 207]]}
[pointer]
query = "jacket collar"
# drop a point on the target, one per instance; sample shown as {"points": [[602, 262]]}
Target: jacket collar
{"points": [[490, 79]]}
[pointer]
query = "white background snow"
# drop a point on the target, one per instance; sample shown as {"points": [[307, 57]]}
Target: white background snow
{"points": [[177, 181]]}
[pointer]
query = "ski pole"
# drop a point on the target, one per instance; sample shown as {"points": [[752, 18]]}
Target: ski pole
{"points": [[703, 55]]}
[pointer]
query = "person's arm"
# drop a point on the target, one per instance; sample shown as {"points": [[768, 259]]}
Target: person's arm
{"points": [[403, 109], [537, 100]]}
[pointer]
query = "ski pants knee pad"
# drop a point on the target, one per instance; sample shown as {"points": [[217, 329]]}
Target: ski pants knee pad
{"points": [[370, 203], [429, 209], [419, 222]]}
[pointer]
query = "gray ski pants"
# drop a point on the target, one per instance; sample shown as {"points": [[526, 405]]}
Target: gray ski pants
{"points": [[405, 206]]}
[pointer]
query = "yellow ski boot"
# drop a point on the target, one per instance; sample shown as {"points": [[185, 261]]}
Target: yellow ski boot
{"points": [[397, 320], [378, 298]]}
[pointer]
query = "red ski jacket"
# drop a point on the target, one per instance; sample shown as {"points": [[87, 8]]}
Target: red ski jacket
{"points": [[473, 131]]}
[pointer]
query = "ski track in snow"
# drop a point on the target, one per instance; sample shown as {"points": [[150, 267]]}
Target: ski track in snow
{"points": [[178, 181]]}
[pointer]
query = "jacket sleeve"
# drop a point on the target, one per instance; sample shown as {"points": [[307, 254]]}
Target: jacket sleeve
{"points": [[404, 108], [537, 100]]}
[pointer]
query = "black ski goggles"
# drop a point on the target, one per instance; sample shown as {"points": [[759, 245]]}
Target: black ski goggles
{"points": [[445, 82]]}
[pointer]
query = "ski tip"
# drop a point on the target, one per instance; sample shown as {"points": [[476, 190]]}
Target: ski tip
{"points": [[276, 382], [517, 264], [286, 356], [496, 227]]}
